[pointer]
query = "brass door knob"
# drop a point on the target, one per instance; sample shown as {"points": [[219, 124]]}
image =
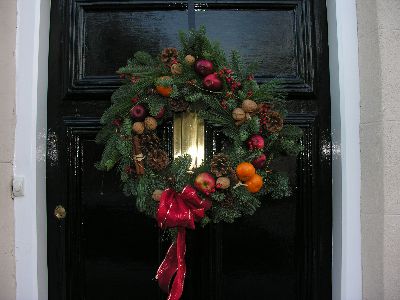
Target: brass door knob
{"points": [[60, 212]]}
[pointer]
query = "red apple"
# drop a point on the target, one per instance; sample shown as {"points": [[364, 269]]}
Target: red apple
{"points": [[256, 141], [203, 67], [260, 161], [138, 112], [161, 113], [212, 82], [205, 183]]}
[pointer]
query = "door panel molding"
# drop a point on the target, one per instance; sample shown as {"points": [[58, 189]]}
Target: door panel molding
{"points": [[82, 83]]}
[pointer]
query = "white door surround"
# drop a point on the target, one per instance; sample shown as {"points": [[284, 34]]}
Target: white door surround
{"points": [[30, 148]]}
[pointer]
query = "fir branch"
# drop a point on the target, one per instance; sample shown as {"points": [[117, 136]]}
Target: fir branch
{"points": [[110, 155], [126, 127], [278, 185], [105, 133], [115, 111]]}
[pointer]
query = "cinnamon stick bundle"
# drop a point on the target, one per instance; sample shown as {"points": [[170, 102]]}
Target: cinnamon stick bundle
{"points": [[138, 156]]}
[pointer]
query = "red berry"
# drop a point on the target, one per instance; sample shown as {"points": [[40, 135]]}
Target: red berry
{"points": [[260, 161], [256, 141], [135, 79], [161, 113], [116, 122]]}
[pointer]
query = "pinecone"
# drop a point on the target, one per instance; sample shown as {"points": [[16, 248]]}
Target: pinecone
{"points": [[150, 141], [233, 177], [229, 200], [169, 55], [274, 122], [157, 159], [178, 105], [220, 165]]}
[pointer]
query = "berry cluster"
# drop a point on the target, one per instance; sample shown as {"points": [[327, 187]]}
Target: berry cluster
{"points": [[128, 170], [224, 104], [230, 79], [135, 79], [116, 122], [264, 110]]}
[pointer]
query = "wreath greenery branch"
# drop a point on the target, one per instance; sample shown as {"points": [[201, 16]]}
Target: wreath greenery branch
{"points": [[249, 115]]}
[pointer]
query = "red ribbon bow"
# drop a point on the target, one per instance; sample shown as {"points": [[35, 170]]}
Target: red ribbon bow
{"points": [[177, 210]]}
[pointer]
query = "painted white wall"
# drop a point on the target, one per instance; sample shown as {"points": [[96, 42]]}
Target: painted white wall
{"points": [[8, 24], [30, 148], [346, 176], [30, 153]]}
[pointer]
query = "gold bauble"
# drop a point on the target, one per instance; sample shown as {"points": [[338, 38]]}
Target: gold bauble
{"points": [[249, 106], [138, 127], [176, 69], [157, 195], [238, 114], [223, 183], [190, 59], [150, 123]]}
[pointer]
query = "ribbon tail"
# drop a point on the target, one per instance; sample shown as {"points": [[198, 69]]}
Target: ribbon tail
{"points": [[174, 262], [177, 286], [168, 268]]}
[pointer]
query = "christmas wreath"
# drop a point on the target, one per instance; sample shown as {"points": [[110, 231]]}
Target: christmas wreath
{"points": [[231, 183]]}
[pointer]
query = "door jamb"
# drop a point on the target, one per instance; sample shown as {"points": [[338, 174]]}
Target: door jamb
{"points": [[30, 148], [33, 22], [346, 166]]}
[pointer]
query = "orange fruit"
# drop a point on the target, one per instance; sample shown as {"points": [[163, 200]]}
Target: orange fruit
{"points": [[245, 171], [164, 90], [254, 184]]}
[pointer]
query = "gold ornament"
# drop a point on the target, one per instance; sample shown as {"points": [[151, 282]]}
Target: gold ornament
{"points": [[249, 106], [157, 195], [176, 69], [150, 123], [238, 114], [223, 183], [138, 127], [190, 59]]}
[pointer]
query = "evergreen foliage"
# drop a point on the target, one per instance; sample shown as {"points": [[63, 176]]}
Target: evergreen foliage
{"points": [[144, 74]]}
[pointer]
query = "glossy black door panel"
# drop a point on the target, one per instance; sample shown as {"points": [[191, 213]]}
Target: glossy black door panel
{"points": [[104, 249], [110, 246], [111, 37], [250, 30]]}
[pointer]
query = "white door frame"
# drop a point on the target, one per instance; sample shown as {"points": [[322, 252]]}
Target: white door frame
{"points": [[346, 168], [30, 149]]}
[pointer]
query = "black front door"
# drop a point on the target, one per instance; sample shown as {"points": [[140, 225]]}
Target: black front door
{"points": [[103, 249]]}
